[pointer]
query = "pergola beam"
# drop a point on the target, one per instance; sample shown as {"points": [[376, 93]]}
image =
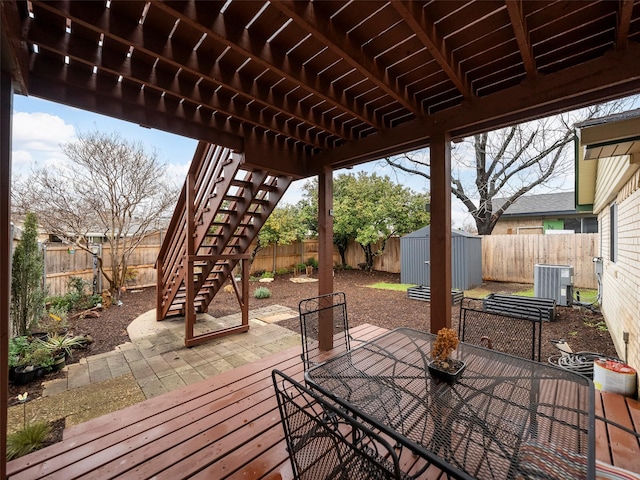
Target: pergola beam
{"points": [[191, 63], [242, 42], [305, 15], [427, 32], [521, 32], [624, 21], [614, 75]]}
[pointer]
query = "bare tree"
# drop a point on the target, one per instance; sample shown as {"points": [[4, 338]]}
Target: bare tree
{"points": [[508, 163], [111, 187]]}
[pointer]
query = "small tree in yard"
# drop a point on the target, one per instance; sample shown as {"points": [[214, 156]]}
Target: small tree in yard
{"points": [[27, 294], [368, 209], [371, 209], [111, 186], [283, 227]]}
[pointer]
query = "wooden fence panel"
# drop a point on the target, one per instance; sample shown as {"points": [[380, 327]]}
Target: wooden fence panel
{"points": [[511, 258], [505, 258]]}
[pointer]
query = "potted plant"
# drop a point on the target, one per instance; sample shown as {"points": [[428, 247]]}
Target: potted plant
{"points": [[442, 365], [63, 344]]}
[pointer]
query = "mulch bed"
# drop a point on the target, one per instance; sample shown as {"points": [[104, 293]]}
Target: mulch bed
{"points": [[384, 308]]}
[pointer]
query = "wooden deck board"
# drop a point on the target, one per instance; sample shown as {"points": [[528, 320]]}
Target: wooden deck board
{"points": [[228, 427], [624, 447]]}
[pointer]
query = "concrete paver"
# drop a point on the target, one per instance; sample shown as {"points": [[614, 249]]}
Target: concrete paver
{"points": [[158, 361]]}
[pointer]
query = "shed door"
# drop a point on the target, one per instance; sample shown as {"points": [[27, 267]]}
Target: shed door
{"points": [[423, 264]]}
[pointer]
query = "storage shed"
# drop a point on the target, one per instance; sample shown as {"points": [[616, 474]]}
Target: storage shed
{"points": [[466, 259]]}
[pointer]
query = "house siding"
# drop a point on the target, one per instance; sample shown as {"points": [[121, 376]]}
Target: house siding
{"points": [[621, 279], [510, 226]]}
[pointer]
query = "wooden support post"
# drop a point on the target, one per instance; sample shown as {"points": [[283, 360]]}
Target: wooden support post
{"points": [[246, 267], [6, 99], [159, 287], [242, 294], [325, 255], [190, 294], [440, 246]]}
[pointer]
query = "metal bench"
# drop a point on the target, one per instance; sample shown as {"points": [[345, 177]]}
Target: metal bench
{"points": [[423, 293], [533, 308]]}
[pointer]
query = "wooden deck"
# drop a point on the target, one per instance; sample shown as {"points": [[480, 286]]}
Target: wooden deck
{"points": [[228, 427]]}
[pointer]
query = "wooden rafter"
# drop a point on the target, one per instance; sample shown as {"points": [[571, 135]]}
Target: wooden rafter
{"points": [[521, 32], [624, 20], [428, 34], [570, 88], [142, 44], [306, 16], [273, 60]]}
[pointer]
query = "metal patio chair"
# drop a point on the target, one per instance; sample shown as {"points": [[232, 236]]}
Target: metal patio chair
{"points": [[325, 442], [514, 335], [330, 307]]}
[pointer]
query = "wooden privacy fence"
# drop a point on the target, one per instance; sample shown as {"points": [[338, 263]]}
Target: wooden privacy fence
{"points": [[511, 258], [505, 258]]}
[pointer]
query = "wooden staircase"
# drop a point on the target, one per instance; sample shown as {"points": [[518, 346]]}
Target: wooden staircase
{"points": [[220, 211]]}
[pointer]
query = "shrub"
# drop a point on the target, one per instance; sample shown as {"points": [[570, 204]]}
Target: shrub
{"points": [[282, 271], [267, 275], [27, 294], [76, 297], [312, 262], [301, 266], [27, 440], [262, 292], [19, 347]]}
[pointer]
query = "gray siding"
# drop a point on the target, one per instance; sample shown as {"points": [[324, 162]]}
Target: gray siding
{"points": [[466, 259]]}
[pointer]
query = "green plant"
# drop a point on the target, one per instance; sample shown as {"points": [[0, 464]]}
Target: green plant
{"points": [[27, 294], [262, 292], [282, 271], [41, 356], [27, 440], [63, 343], [76, 297], [18, 348], [301, 266], [267, 275], [312, 262]]}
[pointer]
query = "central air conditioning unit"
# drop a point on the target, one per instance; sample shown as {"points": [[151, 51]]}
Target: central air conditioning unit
{"points": [[554, 281]]}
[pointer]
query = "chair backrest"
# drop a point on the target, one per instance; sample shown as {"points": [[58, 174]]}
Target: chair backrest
{"points": [[329, 443], [517, 336], [329, 308]]}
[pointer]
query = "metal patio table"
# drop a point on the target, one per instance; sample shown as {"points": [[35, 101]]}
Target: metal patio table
{"points": [[476, 427]]}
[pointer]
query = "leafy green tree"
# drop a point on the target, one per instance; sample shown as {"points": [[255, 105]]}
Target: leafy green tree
{"points": [[27, 293], [283, 227], [368, 209]]}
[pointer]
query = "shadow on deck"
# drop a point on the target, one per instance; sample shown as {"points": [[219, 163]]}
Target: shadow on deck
{"points": [[228, 427]]}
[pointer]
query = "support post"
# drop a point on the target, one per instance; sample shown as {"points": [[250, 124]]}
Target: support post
{"points": [[190, 294], [6, 99], [440, 246], [325, 255]]}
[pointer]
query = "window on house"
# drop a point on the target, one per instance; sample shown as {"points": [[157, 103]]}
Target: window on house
{"points": [[590, 225], [613, 232]]}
